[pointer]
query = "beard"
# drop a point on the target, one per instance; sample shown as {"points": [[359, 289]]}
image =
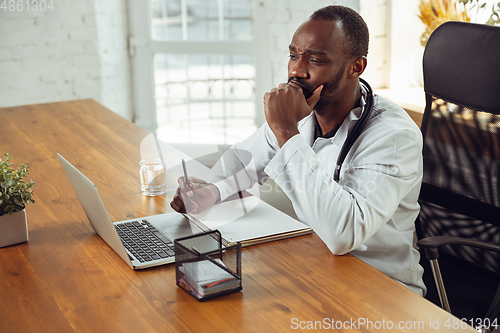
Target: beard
{"points": [[328, 91], [327, 96]]}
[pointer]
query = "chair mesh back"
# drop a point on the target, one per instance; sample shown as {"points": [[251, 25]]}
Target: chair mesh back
{"points": [[462, 167], [461, 186]]}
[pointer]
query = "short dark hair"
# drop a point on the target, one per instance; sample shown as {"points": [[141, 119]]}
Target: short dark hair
{"points": [[355, 28]]}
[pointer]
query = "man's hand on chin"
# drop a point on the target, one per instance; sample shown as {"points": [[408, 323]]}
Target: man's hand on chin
{"points": [[285, 106]]}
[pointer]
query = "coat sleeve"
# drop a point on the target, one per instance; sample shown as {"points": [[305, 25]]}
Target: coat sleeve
{"points": [[242, 165]]}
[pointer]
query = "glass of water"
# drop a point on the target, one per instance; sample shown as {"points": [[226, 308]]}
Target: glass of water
{"points": [[153, 177]]}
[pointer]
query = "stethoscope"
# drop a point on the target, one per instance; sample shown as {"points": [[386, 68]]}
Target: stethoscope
{"points": [[356, 131]]}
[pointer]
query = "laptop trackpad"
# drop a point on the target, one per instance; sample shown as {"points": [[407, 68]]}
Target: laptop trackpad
{"points": [[174, 225], [179, 231]]}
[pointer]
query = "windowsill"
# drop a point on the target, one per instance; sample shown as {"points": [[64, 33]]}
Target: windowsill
{"points": [[412, 99]]}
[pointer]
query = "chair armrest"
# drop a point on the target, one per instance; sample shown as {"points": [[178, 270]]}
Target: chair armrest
{"points": [[430, 244]]}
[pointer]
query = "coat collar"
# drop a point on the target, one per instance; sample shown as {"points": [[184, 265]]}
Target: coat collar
{"points": [[306, 125]]}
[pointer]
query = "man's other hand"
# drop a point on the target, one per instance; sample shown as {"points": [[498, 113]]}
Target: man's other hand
{"points": [[196, 197]]}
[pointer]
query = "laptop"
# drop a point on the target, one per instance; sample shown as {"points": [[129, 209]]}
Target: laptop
{"points": [[141, 242]]}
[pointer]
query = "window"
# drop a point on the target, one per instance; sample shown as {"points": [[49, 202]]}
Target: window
{"points": [[201, 20], [221, 86], [202, 60]]}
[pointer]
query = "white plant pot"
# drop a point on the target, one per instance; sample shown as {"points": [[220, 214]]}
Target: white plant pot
{"points": [[13, 228]]}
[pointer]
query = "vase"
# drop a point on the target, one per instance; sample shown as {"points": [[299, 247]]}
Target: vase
{"points": [[13, 228]]}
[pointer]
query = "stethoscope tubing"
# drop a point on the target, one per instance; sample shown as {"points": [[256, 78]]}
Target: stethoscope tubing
{"points": [[356, 131]]}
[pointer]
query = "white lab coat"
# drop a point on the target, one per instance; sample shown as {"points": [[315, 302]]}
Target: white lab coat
{"points": [[370, 212]]}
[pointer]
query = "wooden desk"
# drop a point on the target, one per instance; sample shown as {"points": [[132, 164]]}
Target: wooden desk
{"points": [[66, 279]]}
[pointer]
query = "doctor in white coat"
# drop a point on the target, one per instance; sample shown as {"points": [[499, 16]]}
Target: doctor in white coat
{"points": [[370, 211]]}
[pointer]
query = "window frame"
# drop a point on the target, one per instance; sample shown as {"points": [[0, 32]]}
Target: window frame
{"points": [[142, 49]]}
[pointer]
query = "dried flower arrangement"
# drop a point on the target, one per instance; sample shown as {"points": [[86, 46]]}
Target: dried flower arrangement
{"points": [[435, 12]]}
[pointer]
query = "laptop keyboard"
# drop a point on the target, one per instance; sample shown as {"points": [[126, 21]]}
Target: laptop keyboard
{"points": [[144, 241]]}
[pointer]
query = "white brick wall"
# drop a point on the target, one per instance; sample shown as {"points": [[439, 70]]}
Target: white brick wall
{"points": [[284, 17], [76, 51], [79, 50], [376, 14], [112, 32]]}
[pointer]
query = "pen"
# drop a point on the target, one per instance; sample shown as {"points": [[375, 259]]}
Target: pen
{"points": [[241, 195], [186, 174]]}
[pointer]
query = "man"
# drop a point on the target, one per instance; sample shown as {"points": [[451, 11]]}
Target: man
{"points": [[371, 209]]}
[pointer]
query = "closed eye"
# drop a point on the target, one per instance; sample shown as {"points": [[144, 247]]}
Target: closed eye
{"points": [[316, 61]]}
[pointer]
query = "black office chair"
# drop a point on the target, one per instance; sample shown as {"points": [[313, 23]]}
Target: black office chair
{"points": [[460, 196]]}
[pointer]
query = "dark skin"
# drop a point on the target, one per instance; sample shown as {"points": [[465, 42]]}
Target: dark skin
{"points": [[316, 58], [321, 77], [202, 196]]}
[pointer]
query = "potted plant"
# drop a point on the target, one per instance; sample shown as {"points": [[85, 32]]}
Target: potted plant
{"points": [[15, 194]]}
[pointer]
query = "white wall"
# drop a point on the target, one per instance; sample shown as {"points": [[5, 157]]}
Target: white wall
{"points": [[78, 50], [394, 56], [376, 15], [112, 33], [405, 49]]}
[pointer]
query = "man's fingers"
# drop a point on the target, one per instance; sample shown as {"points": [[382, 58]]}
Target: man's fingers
{"points": [[315, 96], [293, 84], [280, 86], [189, 205], [177, 208], [184, 186], [177, 204], [182, 203], [195, 199]]}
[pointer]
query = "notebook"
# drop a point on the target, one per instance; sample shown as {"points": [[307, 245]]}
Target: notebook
{"points": [[248, 220]]}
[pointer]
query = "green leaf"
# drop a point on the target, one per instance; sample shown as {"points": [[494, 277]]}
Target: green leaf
{"points": [[15, 193], [7, 183]]}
